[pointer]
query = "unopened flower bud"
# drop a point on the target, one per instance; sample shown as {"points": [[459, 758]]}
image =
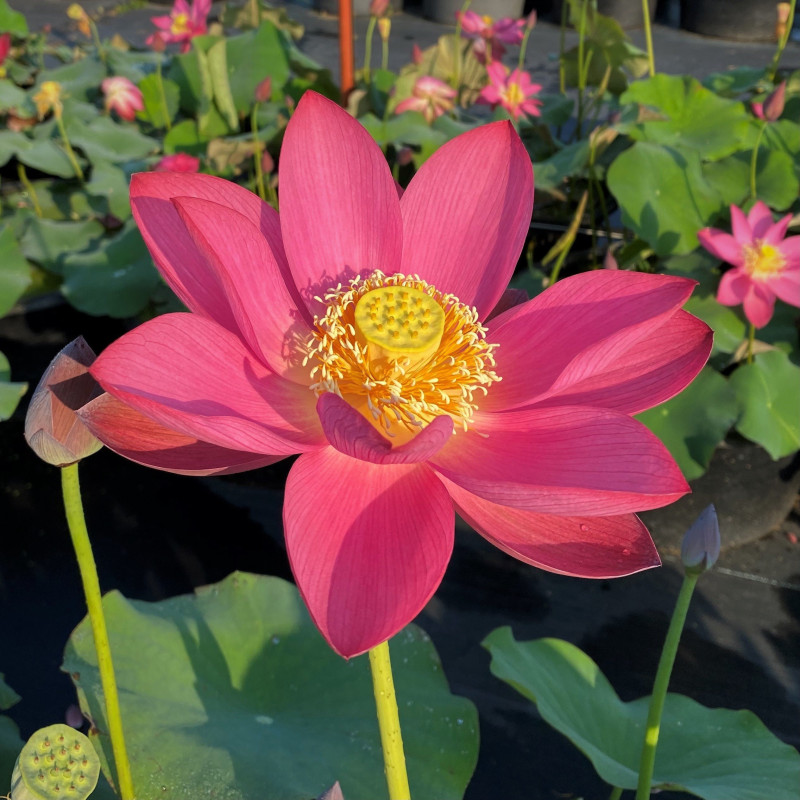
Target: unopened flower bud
{"points": [[264, 90], [700, 547], [772, 107], [157, 42], [52, 428], [416, 54], [379, 8], [405, 155], [531, 20], [784, 9], [267, 163], [384, 27], [609, 262]]}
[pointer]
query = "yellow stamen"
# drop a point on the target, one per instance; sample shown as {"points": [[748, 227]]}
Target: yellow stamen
{"points": [[401, 352], [514, 95], [487, 20], [763, 261], [180, 23]]}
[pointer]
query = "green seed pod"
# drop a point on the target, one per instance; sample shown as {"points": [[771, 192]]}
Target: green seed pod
{"points": [[56, 763]]}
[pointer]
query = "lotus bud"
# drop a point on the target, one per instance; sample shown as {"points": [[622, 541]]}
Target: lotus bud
{"points": [[700, 547], [772, 107], [379, 8], [609, 262], [157, 43], [784, 10], [52, 428], [334, 793], [405, 155], [384, 27], [267, 163], [264, 90], [531, 20], [416, 54]]}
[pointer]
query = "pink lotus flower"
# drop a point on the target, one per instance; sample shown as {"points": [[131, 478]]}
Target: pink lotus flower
{"points": [[514, 91], [766, 264], [490, 35], [184, 22], [122, 96], [430, 96], [178, 162], [355, 329]]}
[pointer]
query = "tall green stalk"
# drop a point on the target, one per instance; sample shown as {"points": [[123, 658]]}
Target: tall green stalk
{"points": [[665, 665], [70, 486], [389, 723], [68, 148], [373, 20], [648, 37], [787, 31]]}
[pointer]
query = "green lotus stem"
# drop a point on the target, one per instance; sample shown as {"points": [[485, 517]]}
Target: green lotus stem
{"points": [[648, 37], [25, 181], [262, 193], [385, 54], [754, 159], [389, 723], [163, 95], [68, 147], [457, 47], [96, 36], [562, 72], [583, 70], [660, 685], [524, 46], [71, 489], [616, 793], [751, 338], [368, 47], [773, 68]]}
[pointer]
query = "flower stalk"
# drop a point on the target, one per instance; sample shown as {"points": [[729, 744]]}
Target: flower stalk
{"points": [[389, 723], [260, 188], [786, 12], [73, 159], [163, 96], [25, 181], [373, 21], [76, 521], [648, 37]]}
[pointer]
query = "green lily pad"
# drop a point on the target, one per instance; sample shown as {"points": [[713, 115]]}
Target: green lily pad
{"points": [[185, 138], [47, 242], [12, 21], [252, 57], [695, 118], [570, 160], [15, 274], [664, 196], [11, 96], [115, 279], [11, 142], [693, 423], [106, 140], [46, 155], [776, 182], [769, 393], [734, 82], [111, 183], [78, 80], [133, 64], [232, 693], [154, 103], [10, 741], [717, 754]]}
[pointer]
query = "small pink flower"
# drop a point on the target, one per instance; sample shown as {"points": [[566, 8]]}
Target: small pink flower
{"points": [[766, 263], [430, 96], [184, 22], [513, 91], [122, 96], [491, 35], [772, 108], [179, 162]]}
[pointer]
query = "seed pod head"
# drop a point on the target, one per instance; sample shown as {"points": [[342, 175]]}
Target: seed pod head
{"points": [[52, 428], [700, 547]]}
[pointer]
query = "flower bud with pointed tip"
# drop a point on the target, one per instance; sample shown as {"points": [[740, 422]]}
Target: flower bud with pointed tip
{"points": [[264, 90], [52, 428], [775, 102], [379, 8], [384, 28], [700, 546]]}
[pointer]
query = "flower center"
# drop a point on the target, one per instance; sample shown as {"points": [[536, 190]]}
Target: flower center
{"points": [[401, 352], [514, 95], [180, 23], [763, 261]]}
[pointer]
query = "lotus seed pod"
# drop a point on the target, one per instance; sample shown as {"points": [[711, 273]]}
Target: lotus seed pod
{"points": [[52, 428], [56, 763]]}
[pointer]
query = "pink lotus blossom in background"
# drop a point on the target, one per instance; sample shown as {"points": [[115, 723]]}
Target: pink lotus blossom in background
{"points": [[521, 421], [122, 96], [430, 96], [766, 263], [514, 91], [179, 162], [185, 21], [5, 46], [490, 35]]}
